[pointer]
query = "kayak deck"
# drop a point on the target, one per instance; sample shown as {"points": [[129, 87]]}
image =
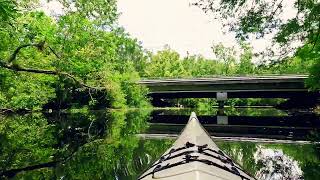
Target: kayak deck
{"points": [[194, 156]]}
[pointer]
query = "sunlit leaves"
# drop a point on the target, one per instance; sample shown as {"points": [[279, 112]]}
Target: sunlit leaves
{"points": [[166, 63], [83, 43], [246, 66], [102, 11], [227, 56], [314, 79], [8, 10]]}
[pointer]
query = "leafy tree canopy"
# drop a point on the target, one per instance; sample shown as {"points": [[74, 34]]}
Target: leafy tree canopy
{"points": [[264, 17]]}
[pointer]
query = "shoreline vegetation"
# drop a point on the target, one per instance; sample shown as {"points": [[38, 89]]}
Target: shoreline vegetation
{"points": [[79, 59]]}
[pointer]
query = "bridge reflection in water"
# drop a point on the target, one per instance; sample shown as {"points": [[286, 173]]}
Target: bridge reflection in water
{"points": [[283, 126]]}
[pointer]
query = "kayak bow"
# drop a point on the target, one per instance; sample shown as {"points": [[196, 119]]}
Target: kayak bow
{"points": [[194, 156]]}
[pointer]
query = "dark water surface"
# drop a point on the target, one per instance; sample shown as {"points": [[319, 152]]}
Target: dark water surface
{"points": [[108, 144]]}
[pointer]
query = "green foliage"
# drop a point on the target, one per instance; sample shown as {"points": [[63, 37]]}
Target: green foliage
{"points": [[88, 48], [263, 17], [198, 66], [227, 56], [84, 45], [166, 63], [21, 92], [246, 66], [103, 12], [114, 154], [314, 80], [82, 144], [8, 10], [102, 145], [25, 141], [294, 65], [244, 149]]}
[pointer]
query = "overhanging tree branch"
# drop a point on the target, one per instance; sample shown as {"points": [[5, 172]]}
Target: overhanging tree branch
{"points": [[14, 67], [13, 56], [49, 72], [54, 52]]}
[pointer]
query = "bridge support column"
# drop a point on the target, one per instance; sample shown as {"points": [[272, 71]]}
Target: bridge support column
{"points": [[221, 98], [221, 104], [222, 119]]}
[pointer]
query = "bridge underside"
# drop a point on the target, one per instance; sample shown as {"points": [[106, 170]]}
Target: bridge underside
{"points": [[222, 88], [236, 94]]}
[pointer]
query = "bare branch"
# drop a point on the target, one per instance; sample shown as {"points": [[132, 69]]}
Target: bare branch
{"points": [[15, 53], [49, 72], [273, 13], [54, 52], [6, 110], [80, 82], [12, 172], [40, 46], [18, 68]]}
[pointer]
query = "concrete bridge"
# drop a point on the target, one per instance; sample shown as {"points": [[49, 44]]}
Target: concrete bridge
{"points": [[284, 86]]}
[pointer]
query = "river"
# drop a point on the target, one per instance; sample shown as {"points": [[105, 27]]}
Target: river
{"points": [[115, 144]]}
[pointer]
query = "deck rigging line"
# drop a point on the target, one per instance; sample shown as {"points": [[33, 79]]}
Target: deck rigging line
{"points": [[190, 158]]}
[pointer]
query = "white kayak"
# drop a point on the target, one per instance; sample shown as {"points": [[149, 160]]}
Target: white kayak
{"points": [[194, 156]]}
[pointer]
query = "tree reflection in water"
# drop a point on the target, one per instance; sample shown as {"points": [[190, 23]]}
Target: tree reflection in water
{"points": [[276, 165], [104, 145], [275, 161]]}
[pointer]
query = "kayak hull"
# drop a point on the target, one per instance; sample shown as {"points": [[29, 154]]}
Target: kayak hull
{"points": [[194, 156]]}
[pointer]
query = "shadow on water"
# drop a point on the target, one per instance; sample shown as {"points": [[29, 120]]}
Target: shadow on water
{"points": [[104, 144]]}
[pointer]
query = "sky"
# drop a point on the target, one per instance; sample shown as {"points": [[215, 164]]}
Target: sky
{"points": [[184, 28]]}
